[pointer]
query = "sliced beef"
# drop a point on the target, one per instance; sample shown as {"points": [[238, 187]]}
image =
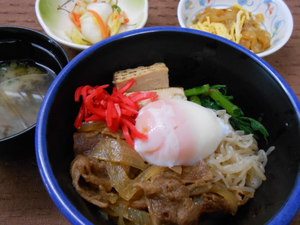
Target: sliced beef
{"points": [[171, 197], [85, 141], [212, 202], [200, 172], [91, 180], [139, 204], [169, 201]]}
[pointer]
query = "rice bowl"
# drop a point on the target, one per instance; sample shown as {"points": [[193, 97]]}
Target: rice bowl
{"points": [[199, 61]]}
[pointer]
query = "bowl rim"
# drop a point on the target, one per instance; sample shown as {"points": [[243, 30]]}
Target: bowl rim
{"points": [[47, 38], [269, 51], [68, 43], [285, 214]]}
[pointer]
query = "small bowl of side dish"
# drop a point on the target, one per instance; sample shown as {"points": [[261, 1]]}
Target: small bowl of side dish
{"points": [[276, 19], [81, 23], [29, 62], [191, 58]]}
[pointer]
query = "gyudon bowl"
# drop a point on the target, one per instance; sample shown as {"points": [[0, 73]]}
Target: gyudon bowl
{"points": [[194, 58]]}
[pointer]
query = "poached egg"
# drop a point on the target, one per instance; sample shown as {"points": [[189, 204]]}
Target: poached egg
{"points": [[179, 132]]}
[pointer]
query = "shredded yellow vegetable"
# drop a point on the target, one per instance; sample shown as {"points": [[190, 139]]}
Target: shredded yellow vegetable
{"points": [[235, 24]]}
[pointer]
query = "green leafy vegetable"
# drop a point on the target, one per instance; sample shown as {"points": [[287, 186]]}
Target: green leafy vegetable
{"points": [[197, 90], [215, 97], [221, 100], [249, 125], [220, 87], [196, 99], [210, 103]]}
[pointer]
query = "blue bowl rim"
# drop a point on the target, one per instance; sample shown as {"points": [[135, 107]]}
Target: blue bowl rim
{"points": [[284, 216]]}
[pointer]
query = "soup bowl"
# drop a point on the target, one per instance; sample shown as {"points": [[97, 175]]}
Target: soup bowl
{"points": [[20, 44], [193, 58]]}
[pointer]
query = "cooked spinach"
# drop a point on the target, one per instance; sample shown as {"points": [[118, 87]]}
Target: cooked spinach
{"points": [[215, 97]]}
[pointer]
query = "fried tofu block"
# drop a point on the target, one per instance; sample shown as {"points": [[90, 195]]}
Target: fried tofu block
{"points": [[147, 77], [166, 93], [171, 93]]}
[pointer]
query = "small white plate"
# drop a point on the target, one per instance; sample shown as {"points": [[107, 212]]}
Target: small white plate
{"points": [[278, 18], [54, 18]]}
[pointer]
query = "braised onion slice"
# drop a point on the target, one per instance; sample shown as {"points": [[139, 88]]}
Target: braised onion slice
{"points": [[123, 211], [230, 198], [117, 150], [125, 186]]}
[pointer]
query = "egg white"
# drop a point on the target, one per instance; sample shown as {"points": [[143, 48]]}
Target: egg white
{"points": [[179, 132]]}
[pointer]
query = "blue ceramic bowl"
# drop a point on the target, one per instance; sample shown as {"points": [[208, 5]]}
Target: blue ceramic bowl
{"points": [[193, 58]]}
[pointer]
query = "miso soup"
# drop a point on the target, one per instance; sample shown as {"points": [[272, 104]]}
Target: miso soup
{"points": [[23, 85]]}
